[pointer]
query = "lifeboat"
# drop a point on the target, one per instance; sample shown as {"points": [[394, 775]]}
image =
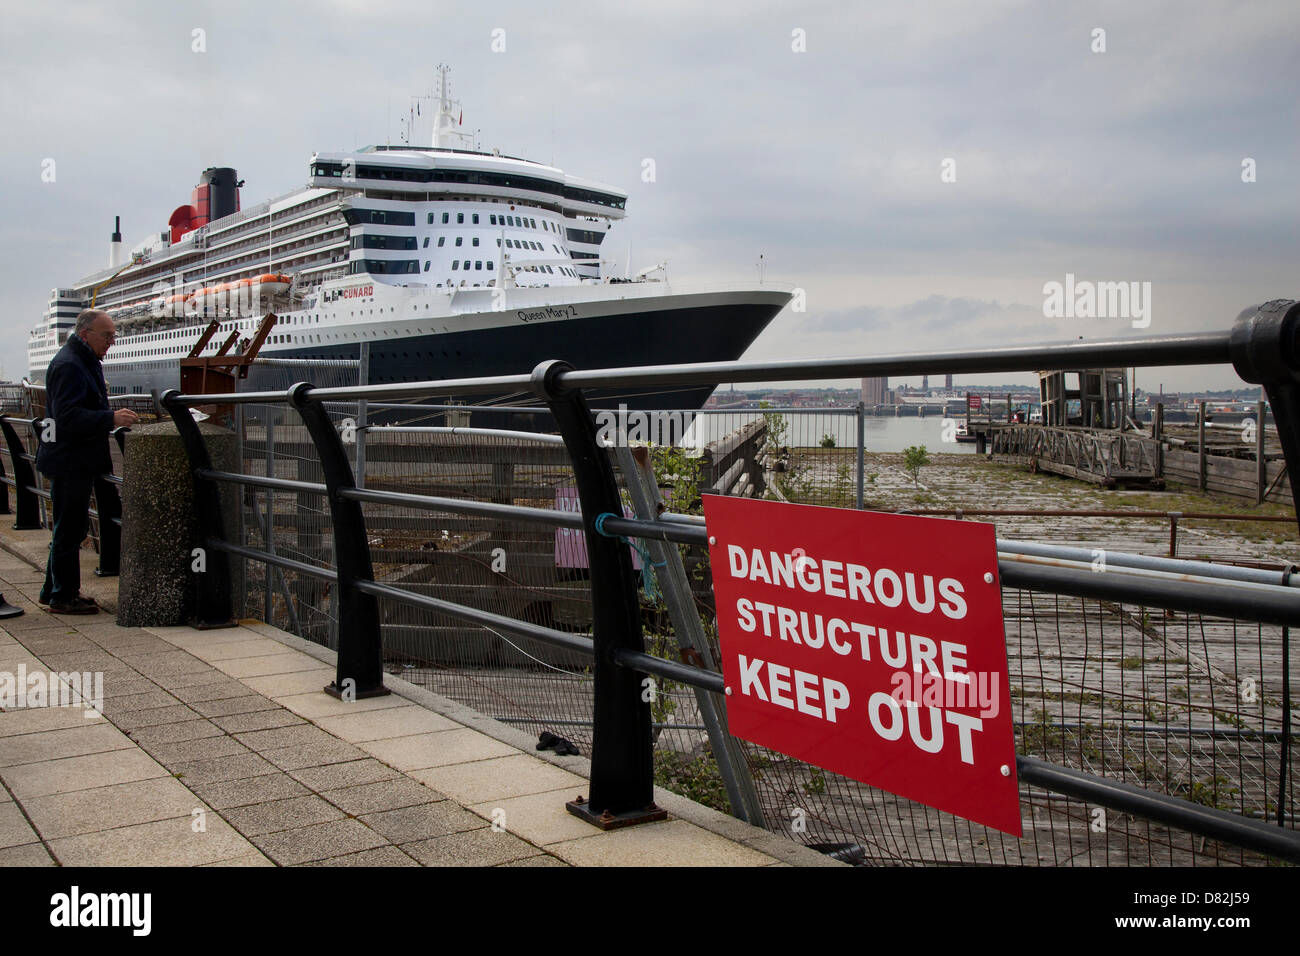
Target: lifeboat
{"points": [[273, 283], [229, 295]]}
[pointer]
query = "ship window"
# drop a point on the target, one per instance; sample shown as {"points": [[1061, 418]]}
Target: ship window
{"points": [[426, 269], [475, 240], [498, 243], [431, 219], [492, 219], [426, 243], [489, 265], [455, 263], [475, 219], [533, 223], [478, 264], [444, 218], [460, 217], [441, 240], [459, 240], [510, 220]]}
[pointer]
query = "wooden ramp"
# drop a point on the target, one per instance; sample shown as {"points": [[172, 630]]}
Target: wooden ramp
{"points": [[1103, 457]]}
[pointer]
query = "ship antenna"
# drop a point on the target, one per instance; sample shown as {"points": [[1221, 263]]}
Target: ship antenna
{"points": [[447, 132]]}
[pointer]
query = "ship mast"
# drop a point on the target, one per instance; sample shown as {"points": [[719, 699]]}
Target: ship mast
{"points": [[447, 132]]}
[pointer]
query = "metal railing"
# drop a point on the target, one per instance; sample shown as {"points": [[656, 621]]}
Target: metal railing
{"points": [[32, 498], [1262, 347]]}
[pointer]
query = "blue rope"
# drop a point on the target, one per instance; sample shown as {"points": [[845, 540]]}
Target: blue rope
{"points": [[648, 581]]}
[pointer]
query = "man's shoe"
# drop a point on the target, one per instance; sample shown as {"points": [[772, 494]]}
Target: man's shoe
{"points": [[78, 605]]}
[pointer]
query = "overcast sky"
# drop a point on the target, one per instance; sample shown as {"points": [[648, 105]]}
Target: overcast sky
{"points": [[814, 134]]}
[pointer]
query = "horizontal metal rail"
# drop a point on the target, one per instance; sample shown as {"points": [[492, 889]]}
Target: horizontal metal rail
{"points": [[288, 564], [425, 406], [462, 430], [1220, 600], [497, 622], [559, 519], [1095, 566], [1203, 569], [1200, 348], [259, 481], [1206, 821], [1080, 513], [671, 670]]}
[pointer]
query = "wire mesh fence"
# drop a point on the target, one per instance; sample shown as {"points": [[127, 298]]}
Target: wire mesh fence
{"points": [[1180, 704]]}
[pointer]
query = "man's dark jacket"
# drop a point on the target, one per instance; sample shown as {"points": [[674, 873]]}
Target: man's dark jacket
{"points": [[77, 399]]}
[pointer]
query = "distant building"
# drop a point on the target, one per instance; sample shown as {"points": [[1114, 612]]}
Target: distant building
{"points": [[947, 381], [875, 391]]}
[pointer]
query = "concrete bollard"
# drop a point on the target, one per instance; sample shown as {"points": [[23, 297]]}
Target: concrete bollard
{"points": [[159, 526]]}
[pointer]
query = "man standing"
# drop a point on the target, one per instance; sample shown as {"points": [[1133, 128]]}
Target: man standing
{"points": [[73, 453]]}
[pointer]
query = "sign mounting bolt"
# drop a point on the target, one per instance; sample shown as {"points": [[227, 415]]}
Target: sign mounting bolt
{"points": [[728, 691], [988, 577], [713, 539], [1006, 771]]}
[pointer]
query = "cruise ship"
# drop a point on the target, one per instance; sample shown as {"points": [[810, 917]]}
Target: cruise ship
{"points": [[448, 260]]}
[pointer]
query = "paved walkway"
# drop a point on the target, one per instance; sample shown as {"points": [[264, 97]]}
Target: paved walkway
{"points": [[220, 748]]}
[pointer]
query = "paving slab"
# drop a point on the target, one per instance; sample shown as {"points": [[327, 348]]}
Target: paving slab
{"points": [[271, 664], [471, 848], [408, 824], [14, 828], [288, 685], [348, 774], [93, 737], [312, 706], [382, 856], [437, 749], [35, 720], [80, 773], [319, 842], [313, 755], [257, 720], [391, 722], [385, 795], [33, 854], [539, 818], [172, 733], [670, 843], [103, 808], [499, 778], [170, 842], [253, 647], [217, 769], [225, 794], [276, 815]]}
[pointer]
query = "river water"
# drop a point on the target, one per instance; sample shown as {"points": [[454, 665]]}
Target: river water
{"points": [[807, 429]]}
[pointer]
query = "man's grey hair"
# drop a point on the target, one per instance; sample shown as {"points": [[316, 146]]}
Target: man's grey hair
{"points": [[86, 319]]}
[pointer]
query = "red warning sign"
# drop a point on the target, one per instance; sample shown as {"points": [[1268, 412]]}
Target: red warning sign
{"points": [[871, 645]]}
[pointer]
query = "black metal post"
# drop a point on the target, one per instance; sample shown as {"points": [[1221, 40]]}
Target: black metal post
{"points": [[212, 587], [622, 750], [108, 505], [29, 506], [360, 669], [4, 489], [1265, 349]]}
